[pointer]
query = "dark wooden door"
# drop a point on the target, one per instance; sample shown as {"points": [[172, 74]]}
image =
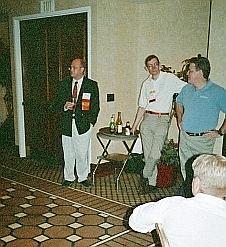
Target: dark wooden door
{"points": [[47, 46]]}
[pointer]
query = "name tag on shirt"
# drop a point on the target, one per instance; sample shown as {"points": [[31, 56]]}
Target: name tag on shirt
{"points": [[152, 96]]}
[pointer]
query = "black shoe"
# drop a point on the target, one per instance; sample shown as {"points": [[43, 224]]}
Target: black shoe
{"points": [[86, 183], [180, 191], [144, 186], [152, 189], [148, 189], [67, 183]]}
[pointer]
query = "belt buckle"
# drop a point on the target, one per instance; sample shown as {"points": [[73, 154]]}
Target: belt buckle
{"points": [[159, 114]]}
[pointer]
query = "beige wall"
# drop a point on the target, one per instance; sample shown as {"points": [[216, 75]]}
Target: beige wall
{"points": [[124, 32], [128, 31], [217, 51], [174, 30]]}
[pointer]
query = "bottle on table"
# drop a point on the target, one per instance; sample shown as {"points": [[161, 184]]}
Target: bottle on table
{"points": [[119, 123], [127, 128], [112, 124]]}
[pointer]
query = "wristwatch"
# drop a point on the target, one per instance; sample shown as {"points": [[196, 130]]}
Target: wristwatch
{"points": [[220, 132]]}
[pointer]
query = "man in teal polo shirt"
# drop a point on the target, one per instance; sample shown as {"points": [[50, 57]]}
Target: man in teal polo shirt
{"points": [[198, 106]]}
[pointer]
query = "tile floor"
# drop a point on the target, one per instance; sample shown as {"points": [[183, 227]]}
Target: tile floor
{"points": [[31, 216], [35, 210]]}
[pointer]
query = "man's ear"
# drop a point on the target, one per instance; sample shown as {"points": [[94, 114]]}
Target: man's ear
{"points": [[196, 185], [83, 70], [201, 74]]}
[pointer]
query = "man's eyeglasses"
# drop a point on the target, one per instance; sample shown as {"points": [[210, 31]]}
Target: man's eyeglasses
{"points": [[74, 67]]}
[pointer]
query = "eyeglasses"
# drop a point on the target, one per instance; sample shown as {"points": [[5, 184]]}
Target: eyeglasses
{"points": [[74, 67]]}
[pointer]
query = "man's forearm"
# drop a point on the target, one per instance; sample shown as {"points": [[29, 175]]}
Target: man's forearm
{"points": [[139, 116], [222, 129], [179, 114]]}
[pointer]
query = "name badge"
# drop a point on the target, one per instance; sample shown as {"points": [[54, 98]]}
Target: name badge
{"points": [[86, 101], [152, 96]]}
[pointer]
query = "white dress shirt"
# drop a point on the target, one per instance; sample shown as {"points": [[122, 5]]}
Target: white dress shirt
{"points": [[78, 88], [78, 85], [194, 222], [157, 95]]}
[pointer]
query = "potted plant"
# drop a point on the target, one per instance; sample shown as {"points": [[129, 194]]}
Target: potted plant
{"points": [[167, 164]]}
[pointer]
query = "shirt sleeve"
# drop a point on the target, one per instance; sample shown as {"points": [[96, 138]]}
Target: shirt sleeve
{"points": [[144, 217], [222, 100], [142, 101], [179, 84], [179, 99]]}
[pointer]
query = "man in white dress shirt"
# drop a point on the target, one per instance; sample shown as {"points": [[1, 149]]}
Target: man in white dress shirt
{"points": [[191, 222], [154, 106]]}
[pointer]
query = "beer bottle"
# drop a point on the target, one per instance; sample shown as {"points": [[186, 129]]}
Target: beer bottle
{"points": [[127, 129], [112, 123], [119, 123]]}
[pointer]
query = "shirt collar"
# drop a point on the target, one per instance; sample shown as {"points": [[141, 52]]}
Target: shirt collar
{"points": [[211, 199], [79, 81], [208, 84], [159, 77]]}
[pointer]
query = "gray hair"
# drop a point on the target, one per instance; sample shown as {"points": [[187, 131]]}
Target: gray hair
{"points": [[211, 169]]}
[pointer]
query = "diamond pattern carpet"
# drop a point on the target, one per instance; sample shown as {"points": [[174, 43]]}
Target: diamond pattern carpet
{"points": [[35, 210]]}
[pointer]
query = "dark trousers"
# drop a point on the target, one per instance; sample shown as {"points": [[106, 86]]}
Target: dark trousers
{"points": [[186, 188]]}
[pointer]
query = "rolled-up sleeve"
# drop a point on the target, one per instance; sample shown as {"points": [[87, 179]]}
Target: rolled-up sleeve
{"points": [[141, 219], [142, 101], [179, 99]]}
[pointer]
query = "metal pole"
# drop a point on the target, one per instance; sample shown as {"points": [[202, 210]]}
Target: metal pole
{"points": [[208, 39]]}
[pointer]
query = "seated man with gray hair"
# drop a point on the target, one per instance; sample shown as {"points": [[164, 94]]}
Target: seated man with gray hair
{"points": [[198, 221]]}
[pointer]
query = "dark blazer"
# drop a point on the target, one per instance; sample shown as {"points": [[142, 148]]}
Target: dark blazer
{"points": [[83, 118]]}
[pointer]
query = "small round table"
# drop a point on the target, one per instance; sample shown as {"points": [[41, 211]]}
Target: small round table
{"points": [[105, 134]]}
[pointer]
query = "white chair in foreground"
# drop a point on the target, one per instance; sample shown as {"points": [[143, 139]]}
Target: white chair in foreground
{"points": [[162, 236]]}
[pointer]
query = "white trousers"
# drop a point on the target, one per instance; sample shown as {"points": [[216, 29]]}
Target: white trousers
{"points": [[76, 152]]}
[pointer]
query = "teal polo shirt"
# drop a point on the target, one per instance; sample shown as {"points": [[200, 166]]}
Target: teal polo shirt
{"points": [[202, 106]]}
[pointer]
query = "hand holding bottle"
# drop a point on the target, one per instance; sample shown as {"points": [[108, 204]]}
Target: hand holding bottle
{"points": [[69, 106]]}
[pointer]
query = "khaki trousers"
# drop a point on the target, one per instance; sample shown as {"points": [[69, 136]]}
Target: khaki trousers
{"points": [[153, 132], [193, 145]]}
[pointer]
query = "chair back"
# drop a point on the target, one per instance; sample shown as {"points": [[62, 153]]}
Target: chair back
{"points": [[162, 236]]}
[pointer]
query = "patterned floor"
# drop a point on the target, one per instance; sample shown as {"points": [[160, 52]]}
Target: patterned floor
{"points": [[35, 210]]}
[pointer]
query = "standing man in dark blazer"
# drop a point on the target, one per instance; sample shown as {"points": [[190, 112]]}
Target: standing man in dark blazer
{"points": [[78, 101]]}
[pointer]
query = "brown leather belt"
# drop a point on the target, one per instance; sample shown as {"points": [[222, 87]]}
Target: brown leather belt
{"points": [[158, 113]]}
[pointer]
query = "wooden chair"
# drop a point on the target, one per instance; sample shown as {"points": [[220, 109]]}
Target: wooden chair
{"points": [[162, 236]]}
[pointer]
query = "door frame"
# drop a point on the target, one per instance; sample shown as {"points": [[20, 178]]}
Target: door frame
{"points": [[18, 63]]}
